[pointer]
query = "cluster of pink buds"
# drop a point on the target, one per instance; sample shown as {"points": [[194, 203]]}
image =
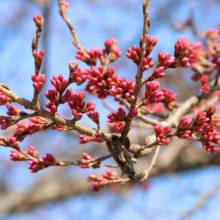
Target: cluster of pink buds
{"points": [[212, 136], [183, 49], [25, 129], [51, 107], [65, 5], [161, 134], [199, 120], [59, 83], [110, 44], [78, 76], [12, 142], [151, 95], [14, 111], [115, 54], [37, 164], [38, 81], [146, 63], [78, 105], [84, 139], [119, 116], [151, 42], [205, 84], [52, 95], [6, 122], [32, 151], [211, 148], [123, 89], [38, 58], [165, 60], [119, 126], [99, 183], [38, 20], [184, 130], [94, 115], [97, 138], [4, 100], [158, 73], [86, 157], [16, 156], [134, 54], [38, 120], [131, 114], [169, 97]]}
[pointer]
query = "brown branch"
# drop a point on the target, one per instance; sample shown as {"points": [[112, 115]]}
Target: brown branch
{"points": [[54, 117]]}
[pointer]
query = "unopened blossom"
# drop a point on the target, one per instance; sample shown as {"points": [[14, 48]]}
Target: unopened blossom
{"points": [[161, 133], [146, 63], [205, 83], [73, 66], [16, 156], [94, 115], [185, 122], [211, 148], [131, 114], [182, 49], [4, 100], [14, 111], [211, 110], [86, 157], [109, 174], [38, 120], [50, 160], [65, 6], [169, 97], [6, 122], [36, 165], [38, 57], [156, 97], [187, 134], [182, 62], [84, 139], [81, 55], [52, 94], [165, 60], [134, 54], [119, 126], [51, 107], [59, 82], [110, 44], [158, 73], [12, 141], [78, 76], [77, 115], [151, 87], [3, 141], [38, 20], [97, 138], [151, 42], [38, 81], [200, 119], [32, 151], [115, 54]]}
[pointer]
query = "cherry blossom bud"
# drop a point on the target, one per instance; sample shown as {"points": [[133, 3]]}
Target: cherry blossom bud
{"points": [[4, 100], [200, 118], [115, 54], [3, 141], [36, 165], [52, 95], [78, 76], [110, 44], [131, 114], [38, 120], [151, 42], [31, 151], [38, 81], [134, 54], [14, 111], [119, 126], [146, 63], [165, 60], [211, 110], [65, 6], [6, 122], [94, 165], [59, 83], [211, 148], [12, 141], [185, 122], [85, 139], [77, 116], [158, 73], [94, 115], [51, 107], [38, 20], [161, 133], [50, 160], [182, 49], [151, 87], [16, 156], [97, 138]]}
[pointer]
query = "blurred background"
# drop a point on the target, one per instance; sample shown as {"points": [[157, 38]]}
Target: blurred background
{"points": [[188, 186]]}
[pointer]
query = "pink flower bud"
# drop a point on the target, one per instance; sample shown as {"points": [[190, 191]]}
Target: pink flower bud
{"points": [[38, 20]]}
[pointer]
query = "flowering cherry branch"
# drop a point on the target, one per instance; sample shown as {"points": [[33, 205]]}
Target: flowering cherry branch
{"points": [[102, 81]]}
